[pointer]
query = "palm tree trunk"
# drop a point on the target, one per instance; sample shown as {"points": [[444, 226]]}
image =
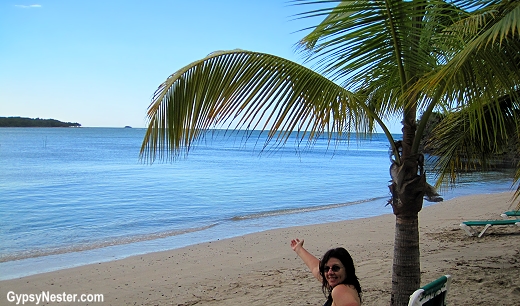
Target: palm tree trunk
{"points": [[408, 186], [407, 189], [406, 267]]}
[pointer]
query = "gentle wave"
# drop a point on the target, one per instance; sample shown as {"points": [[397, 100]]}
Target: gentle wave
{"points": [[273, 213], [100, 244], [73, 190]]}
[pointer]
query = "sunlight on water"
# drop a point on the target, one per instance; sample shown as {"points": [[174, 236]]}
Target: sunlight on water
{"points": [[83, 189]]}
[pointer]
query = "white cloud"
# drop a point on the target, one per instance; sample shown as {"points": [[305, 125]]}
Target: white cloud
{"points": [[28, 6]]}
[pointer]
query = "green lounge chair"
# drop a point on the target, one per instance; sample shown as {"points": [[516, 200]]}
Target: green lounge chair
{"points": [[511, 213], [467, 226], [432, 294]]}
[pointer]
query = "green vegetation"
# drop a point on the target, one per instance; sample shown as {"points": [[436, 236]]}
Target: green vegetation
{"points": [[445, 136], [373, 60], [30, 122]]}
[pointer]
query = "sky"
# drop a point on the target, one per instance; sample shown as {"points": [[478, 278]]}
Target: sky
{"points": [[98, 62]]}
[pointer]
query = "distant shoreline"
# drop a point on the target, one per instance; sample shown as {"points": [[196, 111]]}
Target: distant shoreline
{"points": [[34, 122]]}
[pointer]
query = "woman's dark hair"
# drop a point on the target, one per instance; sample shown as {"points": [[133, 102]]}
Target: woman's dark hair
{"points": [[350, 271]]}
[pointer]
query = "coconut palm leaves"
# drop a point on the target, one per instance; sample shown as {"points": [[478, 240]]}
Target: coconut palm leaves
{"points": [[373, 59], [457, 149], [482, 83], [247, 90]]}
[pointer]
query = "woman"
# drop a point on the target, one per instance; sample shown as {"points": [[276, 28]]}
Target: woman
{"points": [[336, 272]]}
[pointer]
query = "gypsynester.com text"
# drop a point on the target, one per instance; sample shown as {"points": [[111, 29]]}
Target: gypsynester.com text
{"points": [[47, 297]]}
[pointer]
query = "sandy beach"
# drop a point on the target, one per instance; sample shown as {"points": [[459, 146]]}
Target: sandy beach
{"points": [[261, 268]]}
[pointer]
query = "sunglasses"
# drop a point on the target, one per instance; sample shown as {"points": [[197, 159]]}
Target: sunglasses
{"points": [[334, 268]]}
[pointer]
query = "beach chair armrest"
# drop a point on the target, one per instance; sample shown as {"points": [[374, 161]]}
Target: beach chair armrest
{"points": [[433, 292], [414, 298]]}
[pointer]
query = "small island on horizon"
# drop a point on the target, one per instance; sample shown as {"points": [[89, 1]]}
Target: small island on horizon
{"points": [[34, 122]]}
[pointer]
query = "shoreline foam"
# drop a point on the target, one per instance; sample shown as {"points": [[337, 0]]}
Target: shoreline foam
{"points": [[260, 268], [19, 264]]}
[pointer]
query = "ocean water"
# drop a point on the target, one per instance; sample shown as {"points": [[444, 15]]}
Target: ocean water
{"points": [[73, 196]]}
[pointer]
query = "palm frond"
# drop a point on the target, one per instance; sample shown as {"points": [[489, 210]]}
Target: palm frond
{"points": [[488, 42], [358, 37], [380, 48], [483, 70], [456, 148], [247, 90]]}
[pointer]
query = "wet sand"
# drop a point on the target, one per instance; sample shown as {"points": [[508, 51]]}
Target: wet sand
{"points": [[261, 268]]}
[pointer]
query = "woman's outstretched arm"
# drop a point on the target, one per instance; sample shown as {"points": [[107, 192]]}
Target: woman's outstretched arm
{"points": [[310, 260]]}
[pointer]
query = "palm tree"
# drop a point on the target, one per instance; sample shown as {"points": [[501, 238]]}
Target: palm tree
{"points": [[484, 124], [374, 59]]}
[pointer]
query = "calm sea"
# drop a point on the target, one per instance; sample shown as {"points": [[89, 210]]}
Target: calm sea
{"points": [[73, 196]]}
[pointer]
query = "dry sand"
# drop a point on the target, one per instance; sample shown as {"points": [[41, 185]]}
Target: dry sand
{"points": [[261, 268]]}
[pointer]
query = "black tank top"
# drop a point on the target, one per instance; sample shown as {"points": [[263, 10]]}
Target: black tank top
{"points": [[329, 301]]}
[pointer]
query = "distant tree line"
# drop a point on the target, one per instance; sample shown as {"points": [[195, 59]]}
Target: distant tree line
{"points": [[504, 154], [37, 122]]}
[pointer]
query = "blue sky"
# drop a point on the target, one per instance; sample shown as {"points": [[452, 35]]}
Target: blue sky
{"points": [[98, 62]]}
